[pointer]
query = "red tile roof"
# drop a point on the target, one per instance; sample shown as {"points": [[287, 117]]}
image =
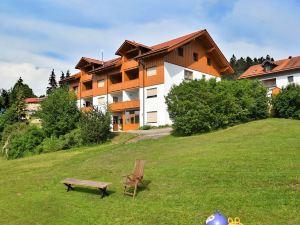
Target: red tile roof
{"points": [[33, 100], [282, 65], [162, 47]]}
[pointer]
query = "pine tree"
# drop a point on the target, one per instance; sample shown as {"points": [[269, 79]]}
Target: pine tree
{"points": [[20, 86], [19, 106], [62, 75], [52, 83], [68, 73]]}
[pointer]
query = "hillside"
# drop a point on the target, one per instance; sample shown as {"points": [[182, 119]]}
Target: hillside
{"points": [[250, 170]]}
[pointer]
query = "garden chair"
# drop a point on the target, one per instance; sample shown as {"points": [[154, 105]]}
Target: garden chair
{"points": [[132, 181]]}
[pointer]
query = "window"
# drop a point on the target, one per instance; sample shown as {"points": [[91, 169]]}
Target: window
{"points": [[270, 83], [75, 89], [101, 100], [290, 79], [151, 71], [203, 76], [152, 93], [180, 51], [115, 99], [100, 83], [195, 56], [188, 75], [152, 117], [208, 61], [132, 117]]}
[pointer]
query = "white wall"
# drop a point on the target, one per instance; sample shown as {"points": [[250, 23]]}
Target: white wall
{"points": [[282, 78], [173, 75]]}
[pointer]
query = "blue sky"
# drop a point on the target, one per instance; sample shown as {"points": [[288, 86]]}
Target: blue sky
{"points": [[38, 35]]}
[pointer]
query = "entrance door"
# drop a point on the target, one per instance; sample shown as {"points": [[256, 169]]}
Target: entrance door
{"points": [[115, 123]]}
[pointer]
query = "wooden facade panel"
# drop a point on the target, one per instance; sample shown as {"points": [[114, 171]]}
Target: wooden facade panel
{"points": [[187, 60], [145, 80]]}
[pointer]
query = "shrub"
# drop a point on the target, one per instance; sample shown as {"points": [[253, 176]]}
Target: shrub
{"points": [[145, 127], [59, 112], [287, 103], [24, 142], [67, 141], [7, 118], [202, 106], [95, 126]]}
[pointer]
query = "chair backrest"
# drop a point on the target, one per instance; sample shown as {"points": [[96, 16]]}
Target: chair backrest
{"points": [[139, 168]]}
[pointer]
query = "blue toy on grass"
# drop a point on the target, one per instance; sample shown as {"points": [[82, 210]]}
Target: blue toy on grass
{"points": [[216, 219]]}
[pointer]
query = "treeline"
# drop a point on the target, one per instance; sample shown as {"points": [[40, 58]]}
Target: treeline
{"points": [[242, 64]]}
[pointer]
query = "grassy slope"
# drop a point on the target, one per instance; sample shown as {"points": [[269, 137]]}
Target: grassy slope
{"points": [[250, 170]]}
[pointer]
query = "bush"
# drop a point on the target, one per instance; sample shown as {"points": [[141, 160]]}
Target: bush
{"points": [[95, 126], [287, 103], [67, 141], [145, 127], [24, 142], [59, 112], [7, 118], [203, 106]]}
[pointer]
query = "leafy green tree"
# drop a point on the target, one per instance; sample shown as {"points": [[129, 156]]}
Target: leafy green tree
{"points": [[4, 99], [95, 126], [203, 106], [59, 112], [19, 106], [287, 103], [52, 83]]}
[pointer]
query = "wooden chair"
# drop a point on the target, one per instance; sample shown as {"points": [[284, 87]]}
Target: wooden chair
{"points": [[132, 181]]}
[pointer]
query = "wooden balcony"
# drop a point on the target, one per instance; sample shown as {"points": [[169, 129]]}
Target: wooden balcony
{"points": [[87, 93], [124, 85], [120, 106]]}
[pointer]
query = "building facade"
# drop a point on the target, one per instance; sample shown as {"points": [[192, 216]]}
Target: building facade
{"points": [[134, 85], [275, 75]]}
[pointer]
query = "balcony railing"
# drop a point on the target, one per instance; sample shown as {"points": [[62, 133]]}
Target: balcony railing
{"points": [[124, 85], [119, 106], [87, 93]]}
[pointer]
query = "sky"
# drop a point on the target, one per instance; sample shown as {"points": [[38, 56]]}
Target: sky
{"points": [[37, 36]]}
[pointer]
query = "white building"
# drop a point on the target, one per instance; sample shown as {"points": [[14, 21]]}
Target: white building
{"points": [[135, 84], [275, 75]]}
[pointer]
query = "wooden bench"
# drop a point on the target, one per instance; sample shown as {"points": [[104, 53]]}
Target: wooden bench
{"points": [[102, 186]]}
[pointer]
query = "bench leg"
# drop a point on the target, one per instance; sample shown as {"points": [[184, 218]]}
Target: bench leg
{"points": [[103, 192], [69, 187]]}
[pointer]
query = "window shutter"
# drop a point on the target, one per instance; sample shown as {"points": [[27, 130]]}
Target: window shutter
{"points": [[152, 92], [151, 71], [152, 117]]}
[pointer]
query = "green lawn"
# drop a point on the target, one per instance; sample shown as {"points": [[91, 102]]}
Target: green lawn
{"points": [[251, 171]]}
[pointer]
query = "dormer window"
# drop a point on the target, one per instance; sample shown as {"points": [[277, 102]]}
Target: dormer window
{"points": [[268, 65]]}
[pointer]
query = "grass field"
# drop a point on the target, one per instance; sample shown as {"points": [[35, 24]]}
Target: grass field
{"points": [[251, 171]]}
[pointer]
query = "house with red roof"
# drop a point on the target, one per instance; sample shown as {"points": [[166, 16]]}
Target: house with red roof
{"points": [[32, 105], [275, 74], [135, 82]]}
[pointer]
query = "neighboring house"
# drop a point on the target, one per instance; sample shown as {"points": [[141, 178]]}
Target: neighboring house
{"points": [[275, 74], [135, 83], [32, 105]]}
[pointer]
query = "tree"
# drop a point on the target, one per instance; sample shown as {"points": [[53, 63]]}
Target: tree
{"points": [[202, 106], [59, 112], [4, 100], [19, 106], [95, 126], [68, 73], [287, 103], [20, 87], [62, 75], [52, 83]]}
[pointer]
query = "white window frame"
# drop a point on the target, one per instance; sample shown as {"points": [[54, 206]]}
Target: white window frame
{"points": [[154, 120], [100, 102], [187, 74], [151, 71]]}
